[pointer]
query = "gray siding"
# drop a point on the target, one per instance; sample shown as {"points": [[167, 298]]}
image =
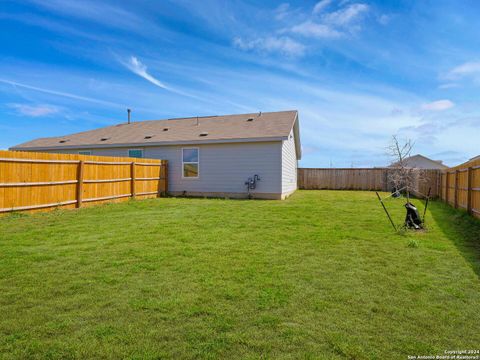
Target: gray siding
{"points": [[224, 168], [289, 165]]}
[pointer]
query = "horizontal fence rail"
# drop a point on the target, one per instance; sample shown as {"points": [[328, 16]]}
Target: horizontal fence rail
{"points": [[34, 181], [460, 187], [372, 179]]}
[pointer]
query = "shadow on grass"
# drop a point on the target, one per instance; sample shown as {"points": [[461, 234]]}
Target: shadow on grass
{"points": [[462, 229]]}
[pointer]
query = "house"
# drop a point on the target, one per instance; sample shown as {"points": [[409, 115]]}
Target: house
{"points": [[422, 162], [208, 156]]}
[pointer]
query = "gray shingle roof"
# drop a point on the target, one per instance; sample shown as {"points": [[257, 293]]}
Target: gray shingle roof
{"points": [[268, 125]]}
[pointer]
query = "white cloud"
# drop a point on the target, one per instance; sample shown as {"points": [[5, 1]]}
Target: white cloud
{"points": [[448, 86], [331, 24], [439, 105], [282, 11], [282, 44], [319, 6], [320, 24], [95, 11], [140, 69], [384, 19], [34, 110], [346, 15], [59, 93], [313, 29], [467, 69]]}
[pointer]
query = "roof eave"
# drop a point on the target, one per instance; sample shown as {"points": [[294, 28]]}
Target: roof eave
{"points": [[149, 144]]}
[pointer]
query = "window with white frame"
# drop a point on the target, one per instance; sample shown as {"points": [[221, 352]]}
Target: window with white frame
{"points": [[85, 152], [136, 153], [190, 163]]}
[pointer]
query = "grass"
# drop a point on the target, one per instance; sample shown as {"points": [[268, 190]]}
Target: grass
{"points": [[320, 275]]}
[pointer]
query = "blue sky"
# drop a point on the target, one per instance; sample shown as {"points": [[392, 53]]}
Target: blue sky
{"points": [[357, 71]]}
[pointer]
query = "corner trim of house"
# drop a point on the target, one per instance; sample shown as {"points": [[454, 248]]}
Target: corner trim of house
{"points": [[287, 194]]}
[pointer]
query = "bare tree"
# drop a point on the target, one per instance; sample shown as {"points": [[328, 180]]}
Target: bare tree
{"points": [[401, 175]]}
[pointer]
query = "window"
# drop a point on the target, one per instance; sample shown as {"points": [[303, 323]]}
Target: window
{"points": [[85, 152], [190, 163], [136, 153]]}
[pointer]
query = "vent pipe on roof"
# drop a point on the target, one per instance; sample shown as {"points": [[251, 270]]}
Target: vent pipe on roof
{"points": [[128, 112], [197, 121]]}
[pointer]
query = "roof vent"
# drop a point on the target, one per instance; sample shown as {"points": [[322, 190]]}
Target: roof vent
{"points": [[63, 141], [104, 139], [165, 129], [204, 133], [148, 136], [250, 119]]}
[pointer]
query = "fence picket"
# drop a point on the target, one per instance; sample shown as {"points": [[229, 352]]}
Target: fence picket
{"points": [[358, 179], [33, 181]]}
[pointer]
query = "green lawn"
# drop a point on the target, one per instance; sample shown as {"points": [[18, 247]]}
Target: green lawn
{"points": [[320, 275]]}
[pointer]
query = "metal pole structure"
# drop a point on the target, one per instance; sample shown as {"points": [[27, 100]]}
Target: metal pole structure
{"points": [[386, 211], [426, 204]]}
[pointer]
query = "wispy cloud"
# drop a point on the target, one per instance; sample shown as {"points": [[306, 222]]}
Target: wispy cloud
{"points": [[312, 29], [346, 15], [466, 72], [140, 69], [439, 105], [282, 11], [465, 69], [39, 110], [283, 44], [96, 11], [320, 6], [332, 24], [343, 20], [448, 86], [52, 25], [59, 93], [384, 19]]}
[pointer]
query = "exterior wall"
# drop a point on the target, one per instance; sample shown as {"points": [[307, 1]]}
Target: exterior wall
{"points": [[289, 165], [223, 168]]}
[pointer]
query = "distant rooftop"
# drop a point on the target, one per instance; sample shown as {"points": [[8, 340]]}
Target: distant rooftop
{"points": [[422, 162]]}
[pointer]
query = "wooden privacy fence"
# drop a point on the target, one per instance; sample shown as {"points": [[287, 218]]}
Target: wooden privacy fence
{"points": [[460, 187], [361, 179], [31, 181]]}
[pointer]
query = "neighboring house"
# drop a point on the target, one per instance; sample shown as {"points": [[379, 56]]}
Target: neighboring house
{"points": [[422, 162], [475, 158], [208, 156]]}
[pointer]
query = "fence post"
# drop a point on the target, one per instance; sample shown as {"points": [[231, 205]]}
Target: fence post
{"points": [[439, 184], [455, 203], [469, 189], [132, 178], [165, 175], [446, 186], [80, 184]]}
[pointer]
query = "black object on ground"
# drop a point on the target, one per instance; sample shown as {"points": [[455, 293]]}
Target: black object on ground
{"points": [[413, 219], [396, 193]]}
